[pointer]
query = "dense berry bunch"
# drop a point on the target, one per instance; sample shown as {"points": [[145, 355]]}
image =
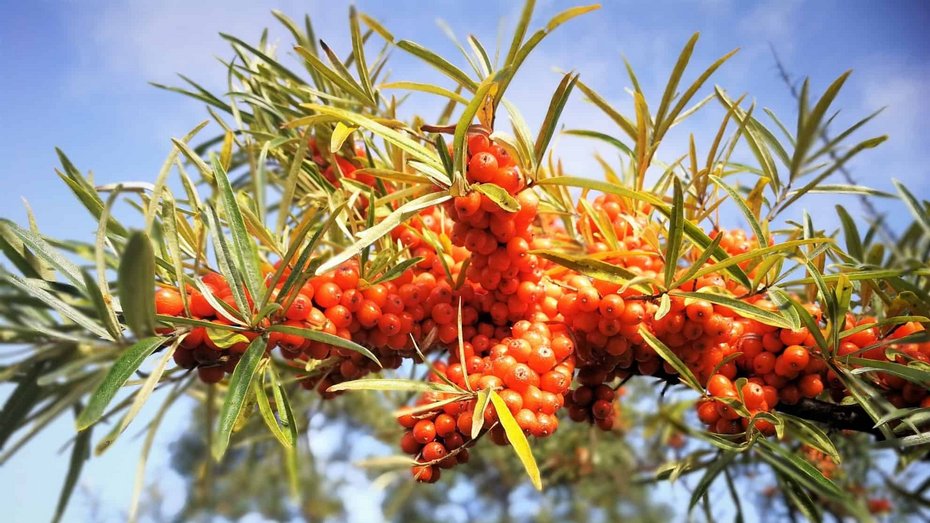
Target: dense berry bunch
{"points": [[531, 370], [490, 313], [499, 241]]}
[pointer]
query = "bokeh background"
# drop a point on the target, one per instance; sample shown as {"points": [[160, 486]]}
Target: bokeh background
{"points": [[76, 73]]}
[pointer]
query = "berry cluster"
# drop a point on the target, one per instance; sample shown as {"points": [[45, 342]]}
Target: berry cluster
{"points": [[531, 370], [510, 321], [594, 405]]}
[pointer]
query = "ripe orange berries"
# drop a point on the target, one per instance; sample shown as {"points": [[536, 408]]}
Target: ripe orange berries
{"points": [[529, 328]]}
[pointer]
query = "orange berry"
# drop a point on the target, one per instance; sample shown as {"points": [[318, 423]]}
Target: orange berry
{"points": [[707, 412], [482, 167], [754, 396], [796, 356], [699, 310], [810, 385], [424, 431], [720, 386], [168, 302], [327, 295]]}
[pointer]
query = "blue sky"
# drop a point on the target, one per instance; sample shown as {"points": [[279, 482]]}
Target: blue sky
{"points": [[76, 76]]}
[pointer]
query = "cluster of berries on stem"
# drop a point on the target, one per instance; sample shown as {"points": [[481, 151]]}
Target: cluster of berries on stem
{"points": [[498, 316]]}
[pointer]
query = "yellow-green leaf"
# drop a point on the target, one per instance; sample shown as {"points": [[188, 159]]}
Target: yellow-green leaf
{"points": [[498, 195], [517, 439]]}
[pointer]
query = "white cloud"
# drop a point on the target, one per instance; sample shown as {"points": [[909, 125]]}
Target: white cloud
{"points": [[138, 39], [772, 22], [903, 93]]}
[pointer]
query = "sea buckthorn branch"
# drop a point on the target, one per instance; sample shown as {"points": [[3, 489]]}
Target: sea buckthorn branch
{"points": [[839, 417], [525, 300], [512, 329]]}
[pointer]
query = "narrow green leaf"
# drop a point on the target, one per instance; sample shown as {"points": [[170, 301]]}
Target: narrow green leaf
{"points": [[274, 64], [811, 434], [426, 88], [358, 51], [597, 269], [440, 63], [397, 270], [689, 93], [139, 399], [665, 305], [517, 439], [267, 414], [41, 248], [340, 133], [917, 210], [853, 151], [225, 338], [754, 254], [671, 87], [676, 231], [136, 278], [741, 308], [21, 400], [239, 387], [798, 470], [283, 404], [33, 289], [122, 369], [846, 189], [684, 373], [393, 385], [383, 227], [812, 125], [242, 244], [622, 121], [396, 138], [568, 14], [477, 418], [697, 264], [604, 187], [916, 373], [348, 85], [755, 142], [482, 54], [80, 453], [851, 234], [556, 105], [377, 27], [714, 470], [606, 138], [751, 218], [327, 338], [299, 269], [86, 192], [152, 208]]}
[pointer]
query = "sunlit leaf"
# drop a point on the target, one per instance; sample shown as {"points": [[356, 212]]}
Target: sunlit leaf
{"points": [[119, 372], [240, 384], [517, 439]]}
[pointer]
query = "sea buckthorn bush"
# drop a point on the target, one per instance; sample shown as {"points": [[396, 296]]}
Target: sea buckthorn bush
{"points": [[517, 299]]}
